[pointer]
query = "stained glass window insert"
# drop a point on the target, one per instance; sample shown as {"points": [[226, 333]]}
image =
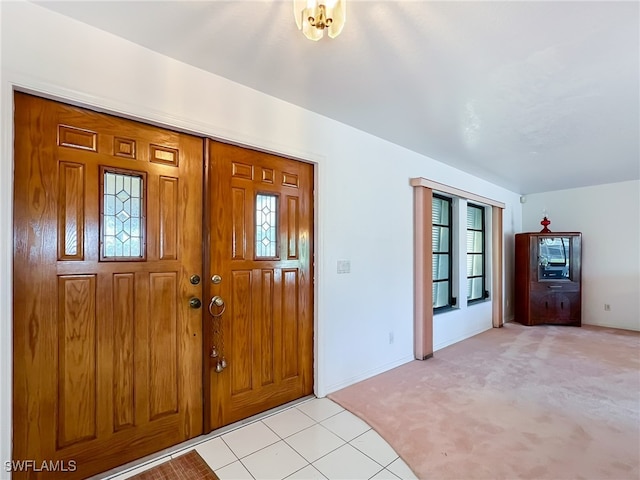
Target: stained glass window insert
{"points": [[122, 219], [266, 225]]}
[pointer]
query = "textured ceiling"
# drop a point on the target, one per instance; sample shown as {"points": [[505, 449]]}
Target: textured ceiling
{"points": [[533, 96]]}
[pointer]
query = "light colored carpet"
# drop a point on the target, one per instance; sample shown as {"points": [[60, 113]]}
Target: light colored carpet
{"points": [[544, 402]]}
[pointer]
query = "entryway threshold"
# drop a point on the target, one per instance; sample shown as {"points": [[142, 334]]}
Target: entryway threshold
{"points": [[190, 444]]}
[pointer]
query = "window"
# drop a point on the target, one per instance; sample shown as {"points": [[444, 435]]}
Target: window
{"points": [[442, 250], [427, 265], [475, 254], [266, 226], [122, 209]]}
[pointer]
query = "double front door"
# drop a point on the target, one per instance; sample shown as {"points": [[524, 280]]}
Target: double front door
{"points": [[114, 328]]}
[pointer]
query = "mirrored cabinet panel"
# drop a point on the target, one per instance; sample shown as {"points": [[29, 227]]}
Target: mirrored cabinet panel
{"points": [[554, 258]]}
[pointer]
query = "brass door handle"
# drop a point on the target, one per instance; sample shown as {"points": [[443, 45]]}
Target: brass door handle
{"points": [[217, 301]]}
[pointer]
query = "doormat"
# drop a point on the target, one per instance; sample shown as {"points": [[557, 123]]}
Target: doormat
{"points": [[189, 466]]}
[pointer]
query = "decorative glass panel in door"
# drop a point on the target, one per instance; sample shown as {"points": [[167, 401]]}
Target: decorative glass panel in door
{"points": [[266, 226], [122, 227]]}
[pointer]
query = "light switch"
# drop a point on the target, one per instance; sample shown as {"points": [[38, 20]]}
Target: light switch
{"points": [[344, 266]]}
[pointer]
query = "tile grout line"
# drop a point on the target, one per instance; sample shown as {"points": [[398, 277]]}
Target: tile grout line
{"points": [[316, 422], [367, 455], [261, 420], [284, 439], [208, 437]]}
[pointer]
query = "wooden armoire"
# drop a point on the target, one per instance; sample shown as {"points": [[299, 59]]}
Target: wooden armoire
{"points": [[548, 286]]}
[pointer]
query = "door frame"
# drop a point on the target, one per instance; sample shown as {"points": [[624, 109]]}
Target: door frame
{"points": [[12, 82]]}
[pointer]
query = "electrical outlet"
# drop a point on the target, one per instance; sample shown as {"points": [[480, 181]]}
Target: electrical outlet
{"points": [[607, 307], [344, 266]]}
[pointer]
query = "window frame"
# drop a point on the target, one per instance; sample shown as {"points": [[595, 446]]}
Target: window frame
{"points": [[482, 254], [451, 300]]}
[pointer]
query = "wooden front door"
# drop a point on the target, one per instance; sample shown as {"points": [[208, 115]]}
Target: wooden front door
{"points": [[107, 232], [260, 222]]}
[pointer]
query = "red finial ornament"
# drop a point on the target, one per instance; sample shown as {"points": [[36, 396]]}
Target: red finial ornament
{"points": [[545, 223]]}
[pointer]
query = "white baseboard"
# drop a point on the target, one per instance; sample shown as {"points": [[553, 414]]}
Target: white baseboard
{"points": [[634, 328], [365, 375], [459, 339]]}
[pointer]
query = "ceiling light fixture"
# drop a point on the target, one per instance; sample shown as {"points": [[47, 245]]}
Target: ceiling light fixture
{"points": [[313, 16]]}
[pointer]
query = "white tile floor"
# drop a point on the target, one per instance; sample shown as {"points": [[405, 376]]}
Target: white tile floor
{"points": [[316, 439]]}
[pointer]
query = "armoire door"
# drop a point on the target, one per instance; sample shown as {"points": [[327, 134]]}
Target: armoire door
{"points": [[259, 287], [107, 233]]}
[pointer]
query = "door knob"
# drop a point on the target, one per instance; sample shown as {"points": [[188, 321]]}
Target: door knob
{"points": [[217, 301], [195, 303]]}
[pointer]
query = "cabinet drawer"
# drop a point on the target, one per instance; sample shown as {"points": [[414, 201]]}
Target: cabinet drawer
{"points": [[549, 287]]}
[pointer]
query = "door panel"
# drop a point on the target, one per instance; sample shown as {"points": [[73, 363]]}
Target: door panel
{"points": [[260, 221], [107, 231]]}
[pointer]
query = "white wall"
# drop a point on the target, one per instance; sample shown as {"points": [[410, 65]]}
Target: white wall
{"points": [[364, 202], [609, 218]]}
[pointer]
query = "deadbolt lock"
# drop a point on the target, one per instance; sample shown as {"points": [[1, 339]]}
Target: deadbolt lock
{"points": [[216, 279], [195, 279], [195, 303]]}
